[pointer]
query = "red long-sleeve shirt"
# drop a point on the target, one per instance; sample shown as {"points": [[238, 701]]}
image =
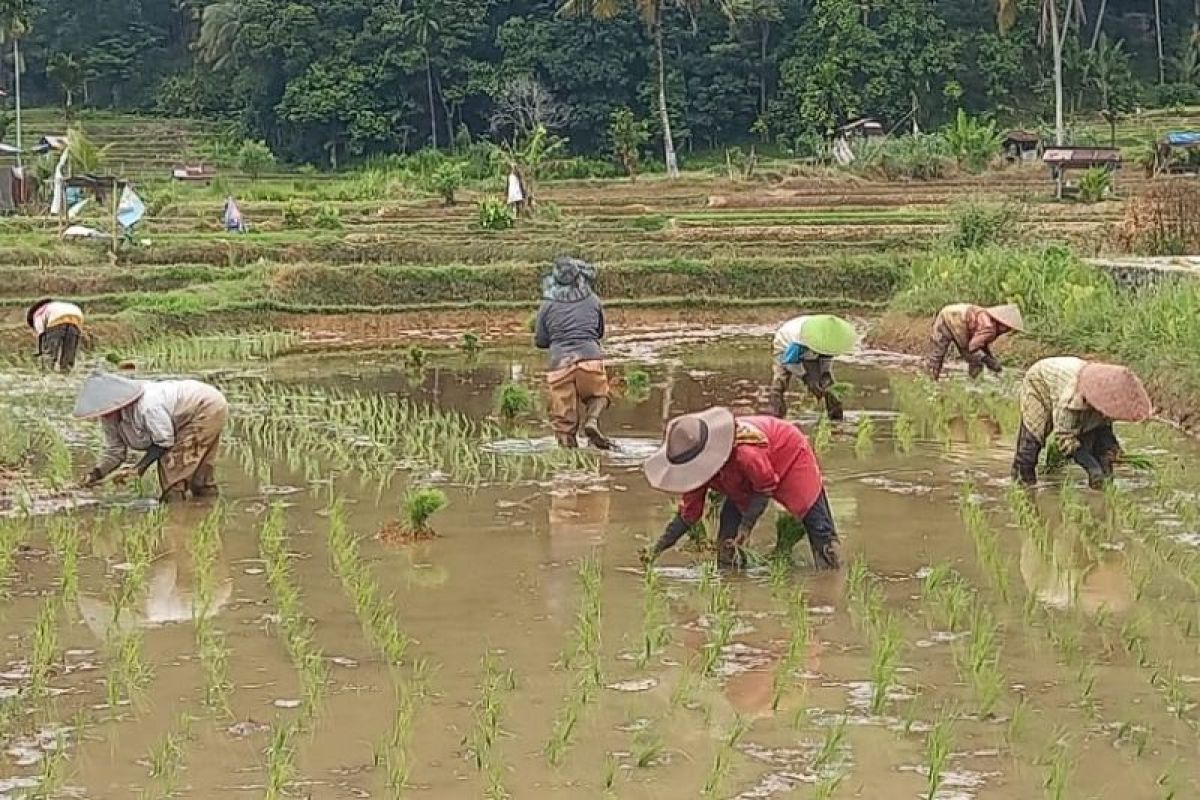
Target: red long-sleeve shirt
{"points": [[770, 457]]}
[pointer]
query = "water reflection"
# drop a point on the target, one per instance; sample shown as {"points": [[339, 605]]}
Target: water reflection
{"points": [[170, 594], [1068, 577]]}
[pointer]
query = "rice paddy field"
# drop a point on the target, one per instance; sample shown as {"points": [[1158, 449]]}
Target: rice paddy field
{"points": [[328, 629]]}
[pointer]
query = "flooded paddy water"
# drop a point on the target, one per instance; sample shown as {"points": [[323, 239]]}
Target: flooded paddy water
{"points": [[980, 642]]}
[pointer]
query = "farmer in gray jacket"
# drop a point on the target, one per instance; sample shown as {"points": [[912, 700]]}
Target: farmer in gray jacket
{"points": [[570, 324]]}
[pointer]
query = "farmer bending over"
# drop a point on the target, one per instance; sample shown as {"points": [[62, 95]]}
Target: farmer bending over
{"points": [[805, 347], [570, 324], [177, 424], [751, 461], [58, 327], [1075, 402], [971, 329]]}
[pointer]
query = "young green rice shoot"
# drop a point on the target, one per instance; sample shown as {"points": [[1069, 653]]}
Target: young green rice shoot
{"points": [[421, 503], [938, 744]]}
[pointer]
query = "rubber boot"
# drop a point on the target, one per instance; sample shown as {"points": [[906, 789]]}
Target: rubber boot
{"points": [[1029, 449], [827, 553], [591, 424], [834, 408], [567, 441]]}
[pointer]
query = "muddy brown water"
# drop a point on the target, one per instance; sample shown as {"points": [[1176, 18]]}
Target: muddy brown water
{"points": [[502, 577]]}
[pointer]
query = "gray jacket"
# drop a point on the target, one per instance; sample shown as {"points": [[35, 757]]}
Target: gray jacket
{"points": [[571, 330]]}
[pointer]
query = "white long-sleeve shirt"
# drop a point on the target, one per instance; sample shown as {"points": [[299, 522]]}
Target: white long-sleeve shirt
{"points": [[56, 313], [153, 420]]}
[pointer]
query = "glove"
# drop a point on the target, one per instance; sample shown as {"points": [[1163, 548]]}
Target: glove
{"points": [[1067, 443]]}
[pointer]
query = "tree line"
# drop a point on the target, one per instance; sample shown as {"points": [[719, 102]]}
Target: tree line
{"points": [[325, 81]]}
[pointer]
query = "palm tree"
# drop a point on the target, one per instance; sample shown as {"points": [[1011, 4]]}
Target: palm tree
{"points": [[651, 12], [422, 24], [68, 72], [220, 24], [14, 23], [1162, 72], [1105, 66], [1006, 15]]}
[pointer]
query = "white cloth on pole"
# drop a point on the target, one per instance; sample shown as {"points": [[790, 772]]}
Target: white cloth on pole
{"points": [[515, 193], [60, 189]]}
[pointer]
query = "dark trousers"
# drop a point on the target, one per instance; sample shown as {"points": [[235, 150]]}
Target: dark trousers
{"points": [[58, 346], [817, 522], [818, 379], [1097, 452]]}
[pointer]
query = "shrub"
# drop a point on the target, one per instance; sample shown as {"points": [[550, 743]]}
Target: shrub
{"points": [[296, 214], [254, 158], [919, 157], [495, 215], [627, 136], [1094, 184], [328, 218], [1163, 221], [974, 225], [446, 181], [419, 505], [974, 141]]}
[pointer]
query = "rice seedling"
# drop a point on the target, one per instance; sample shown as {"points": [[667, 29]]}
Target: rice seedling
{"points": [[393, 752], [829, 752], [656, 631], [982, 660], [583, 656], [637, 383], [280, 766], [59, 469], [471, 344], [987, 543], [1170, 685], [375, 613], [722, 612], [43, 651], [648, 748], [885, 660], [416, 359], [564, 729], [904, 434], [11, 536], [822, 436], [297, 630], [864, 436], [799, 635], [53, 775], [1057, 765], [723, 761], [938, 745], [483, 737], [421, 503], [167, 755], [947, 596], [825, 788], [214, 658], [1018, 723], [513, 401], [64, 537]]}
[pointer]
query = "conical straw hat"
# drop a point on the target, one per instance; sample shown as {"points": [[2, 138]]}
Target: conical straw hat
{"points": [[104, 393], [1008, 316], [828, 335], [696, 447], [1115, 392]]}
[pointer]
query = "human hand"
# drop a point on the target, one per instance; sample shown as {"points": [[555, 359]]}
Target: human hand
{"points": [[125, 475], [1067, 443]]}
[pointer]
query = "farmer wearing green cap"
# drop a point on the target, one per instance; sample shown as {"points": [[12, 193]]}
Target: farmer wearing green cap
{"points": [[805, 347]]}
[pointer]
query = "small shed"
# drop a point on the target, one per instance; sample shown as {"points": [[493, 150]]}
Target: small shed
{"points": [[862, 128], [1062, 160], [194, 173], [1186, 143], [1021, 145]]}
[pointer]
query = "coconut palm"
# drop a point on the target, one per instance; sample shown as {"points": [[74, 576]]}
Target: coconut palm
{"points": [[14, 23], [422, 24], [220, 24], [1162, 71], [69, 73], [1054, 27], [651, 12]]}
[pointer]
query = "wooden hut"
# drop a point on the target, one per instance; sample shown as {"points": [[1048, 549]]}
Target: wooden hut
{"points": [[1061, 160]]}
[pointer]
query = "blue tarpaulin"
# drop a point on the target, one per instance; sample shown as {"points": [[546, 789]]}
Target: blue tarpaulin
{"points": [[1182, 139]]}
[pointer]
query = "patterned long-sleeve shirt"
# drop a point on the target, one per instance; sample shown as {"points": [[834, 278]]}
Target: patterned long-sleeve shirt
{"points": [[1050, 400], [970, 325]]}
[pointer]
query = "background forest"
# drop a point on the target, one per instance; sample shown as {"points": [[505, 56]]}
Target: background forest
{"points": [[325, 81]]}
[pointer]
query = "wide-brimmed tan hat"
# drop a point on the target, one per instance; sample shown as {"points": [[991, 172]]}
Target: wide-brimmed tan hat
{"points": [[1115, 392], [104, 393], [1008, 315], [694, 450]]}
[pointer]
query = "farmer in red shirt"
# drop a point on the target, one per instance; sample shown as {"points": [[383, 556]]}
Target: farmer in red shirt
{"points": [[751, 461]]}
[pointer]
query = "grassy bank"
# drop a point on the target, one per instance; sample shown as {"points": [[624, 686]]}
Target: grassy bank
{"points": [[1071, 308]]}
